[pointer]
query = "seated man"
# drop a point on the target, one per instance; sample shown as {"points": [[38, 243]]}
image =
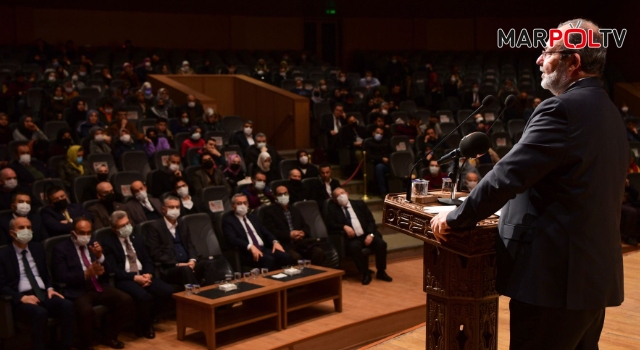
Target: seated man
{"points": [[133, 267], [163, 180], [25, 277], [8, 187], [89, 191], [354, 220], [143, 207], [208, 175], [260, 146], [28, 170], [79, 263], [288, 226], [245, 138], [21, 207], [378, 153], [322, 189], [59, 216], [256, 245], [188, 204], [107, 205], [169, 245], [297, 191], [471, 180], [258, 193]]}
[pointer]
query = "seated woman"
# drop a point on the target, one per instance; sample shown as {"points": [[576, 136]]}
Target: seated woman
{"points": [[264, 164], [125, 143], [182, 125], [72, 167], [189, 204], [211, 121], [307, 169], [61, 144], [93, 119], [154, 142], [99, 142], [27, 130], [195, 141], [208, 175], [233, 172]]}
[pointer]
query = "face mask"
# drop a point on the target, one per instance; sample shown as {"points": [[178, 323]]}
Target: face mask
{"points": [[60, 205], [23, 209], [260, 72], [82, 74], [625, 109], [259, 185], [109, 198], [342, 79], [472, 184], [323, 87], [368, 78], [173, 214], [174, 167], [453, 79], [283, 74], [125, 138], [141, 196], [25, 158], [241, 210], [24, 236], [11, 184], [102, 177], [58, 98], [343, 199], [235, 167], [196, 136], [377, 137], [83, 240], [74, 78], [126, 231], [207, 165], [185, 120], [283, 200], [475, 90], [79, 160], [434, 170], [68, 90], [147, 92], [384, 112], [108, 110], [191, 104], [261, 145], [183, 192], [248, 131], [99, 138], [304, 160], [52, 79], [147, 64]]}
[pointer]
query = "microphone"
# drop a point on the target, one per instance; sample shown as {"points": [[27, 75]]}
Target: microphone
{"points": [[487, 101], [508, 102], [471, 146]]}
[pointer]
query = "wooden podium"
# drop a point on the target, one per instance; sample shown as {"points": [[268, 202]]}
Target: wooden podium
{"points": [[459, 278]]}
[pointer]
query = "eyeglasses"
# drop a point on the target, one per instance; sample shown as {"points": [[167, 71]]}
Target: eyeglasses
{"points": [[545, 53]]}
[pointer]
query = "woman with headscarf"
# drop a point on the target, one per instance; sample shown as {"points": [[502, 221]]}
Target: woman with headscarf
{"points": [[92, 120], [233, 172], [148, 92], [194, 141], [62, 143], [72, 167], [57, 104], [264, 164], [159, 110], [27, 130], [77, 114], [211, 121], [182, 125], [307, 169], [164, 94], [99, 142], [154, 142]]}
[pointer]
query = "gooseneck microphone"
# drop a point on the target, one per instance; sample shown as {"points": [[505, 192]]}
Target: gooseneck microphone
{"points": [[473, 145], [487, 101], [508, 102]]}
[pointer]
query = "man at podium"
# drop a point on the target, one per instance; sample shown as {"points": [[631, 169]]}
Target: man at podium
{"points": [[558, 250]]}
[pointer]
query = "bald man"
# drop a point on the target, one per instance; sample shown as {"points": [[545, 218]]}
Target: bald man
{"points": [[107, 204], [142, 207], [8, 187], [297, 191]]}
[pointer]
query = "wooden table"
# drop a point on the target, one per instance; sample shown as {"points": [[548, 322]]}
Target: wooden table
{"points": [[273, 301]]}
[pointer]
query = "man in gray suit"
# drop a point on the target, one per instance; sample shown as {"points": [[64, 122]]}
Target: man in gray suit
{"points": [[558, 251], [142, 207]]}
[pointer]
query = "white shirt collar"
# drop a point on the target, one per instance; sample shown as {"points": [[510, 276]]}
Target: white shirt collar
{"points": [[169, 224]]}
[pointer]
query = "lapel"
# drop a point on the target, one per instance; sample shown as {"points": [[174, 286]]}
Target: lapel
{"points": [[118, 247], [13, 258]]}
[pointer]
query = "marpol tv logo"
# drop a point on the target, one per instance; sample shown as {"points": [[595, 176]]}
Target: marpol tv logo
{"points": [[540, 37]]}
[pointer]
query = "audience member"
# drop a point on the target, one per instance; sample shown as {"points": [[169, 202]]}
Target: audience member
{"points": [[297, 191], [351, 138], [163, 131], [6, 134], [186, 69], [529, 111], [77, 113], [125, 143], [8, 187], [410, 129], [121, 123], [435, 175], [158, 110], [188, 204], [106, 205], [244, 139], [211, 121], [91, 121], [61, 144], [194, 141], [27, 169], [210, 147], [58, 217], [163, 179], [260, 146], [632, 129], [233, 172], [144, 207], [129, 76], [324, 187], [20, 206], [266, 165], [471, 180], [369, 81], [99, 142], [330, 125], [72, 167], [464, 168], [299, 89], [305, 167], [208, 175], [193, 108], [183, 124], [378, 153], [154, 142], [258, 193], [27, 130]]}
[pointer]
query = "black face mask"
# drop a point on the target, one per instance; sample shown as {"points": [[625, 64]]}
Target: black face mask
{"points": [[109, 198], [235, 167], [295, 183], [102, 177], [66, 142], [60, 205], [208, 164]]}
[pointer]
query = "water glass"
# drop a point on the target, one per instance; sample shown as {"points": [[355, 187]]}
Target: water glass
{"points": [[188, 288], [264, 271], [196, 288], [238, 277], [307, 264], [447, 185], [228, 277], [255, 273], [300, 265], [246, 276]]}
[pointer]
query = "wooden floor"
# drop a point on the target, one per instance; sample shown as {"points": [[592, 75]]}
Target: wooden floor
{"points": [[620, 330]]}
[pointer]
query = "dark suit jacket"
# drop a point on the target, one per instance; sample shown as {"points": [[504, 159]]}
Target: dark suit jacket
{"points": [[236, 235], [326, 123], [112, 249], [67, 268], [240, 139], [467, 100], [39, 232], [159, 243], [319, 191], [252, 153], [51, 219], [25, 178], [10, 269], [162, 181], [336, 218], [349, 134], [101, 215], [136, 212], [559, 242], [276, 222]]}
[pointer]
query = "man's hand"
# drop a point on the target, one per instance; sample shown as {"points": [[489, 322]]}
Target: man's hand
{"points": [[30, 299], [333, 133], [349, 231], [257, 254], [385, 160], [439, 226], [296, 235], [96, 249], [140, 279], [368, 240], [277, 246], [95, 269], [177, 173], [191, 264], [264, 149], [357, 144], [51, 293]]}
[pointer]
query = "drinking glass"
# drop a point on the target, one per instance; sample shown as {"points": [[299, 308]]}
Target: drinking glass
{"points": [[238, 277], [188, 288], [447, 185], [307, 264], [264, 271], [228, 277], [246, 276], [255, 273], [300, 265], [196, 288]]}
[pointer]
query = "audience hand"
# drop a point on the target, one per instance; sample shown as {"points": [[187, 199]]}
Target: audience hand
{"points": [[368, 240], [51, 293], [96, 249], [349, 231], [177, 174], [277, 246], [257, 254], [385, 160], [191, 264], [30, 299], [333, 133], [439, 226]]}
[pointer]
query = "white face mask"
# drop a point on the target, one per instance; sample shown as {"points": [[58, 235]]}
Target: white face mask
{"points": [[248, 131], [23, 209], [625, 109], [304, 160], [11, 184], [185, 120], [196, 136], [25, 159], [24, 236], [183, 192], [377, 137], [475, 90], [342, 79], [260, 72], [259, 185], [173, 214], [83, 240], [191, 104], [126, 231], [283, 200], [174, 167], [108, 110], [99, 138], [261, 145], [343, 199], [434, 170], [141, 196], [472, 184], [384, 112], [241, 210], [126, 138]]}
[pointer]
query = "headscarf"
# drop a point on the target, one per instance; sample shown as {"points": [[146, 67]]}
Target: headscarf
{"points": [[261, 158], [160, 111], [28, 134], [72, 158], [86, 124], [92, 131], [229, 162]]}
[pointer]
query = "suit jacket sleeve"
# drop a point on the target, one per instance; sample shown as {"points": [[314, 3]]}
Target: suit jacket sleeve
{"points": [[274, 224], [158, 251], [9, 279], [52, 223], [368, 222], [541, 149], [335, 219], [299, 223], [143, 256], [110, 253], [60, 266], [267, 236], [188, 243], [230, 229]]}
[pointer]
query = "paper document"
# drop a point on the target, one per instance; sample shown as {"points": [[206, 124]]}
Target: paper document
{"points": [[280, 275], [439, 209]]}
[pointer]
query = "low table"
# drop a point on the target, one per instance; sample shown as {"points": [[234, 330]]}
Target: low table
{"points": [[273, 299]]}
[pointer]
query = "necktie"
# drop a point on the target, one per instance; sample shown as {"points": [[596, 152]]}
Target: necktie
{"points": [[148, 205], [346, 213], [66, 215], [287, 214], [87, 264], [39, 293], [254, 239], [131, 256]]}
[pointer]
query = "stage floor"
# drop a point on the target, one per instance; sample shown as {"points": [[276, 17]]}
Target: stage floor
{"points": [[620, 330]]}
